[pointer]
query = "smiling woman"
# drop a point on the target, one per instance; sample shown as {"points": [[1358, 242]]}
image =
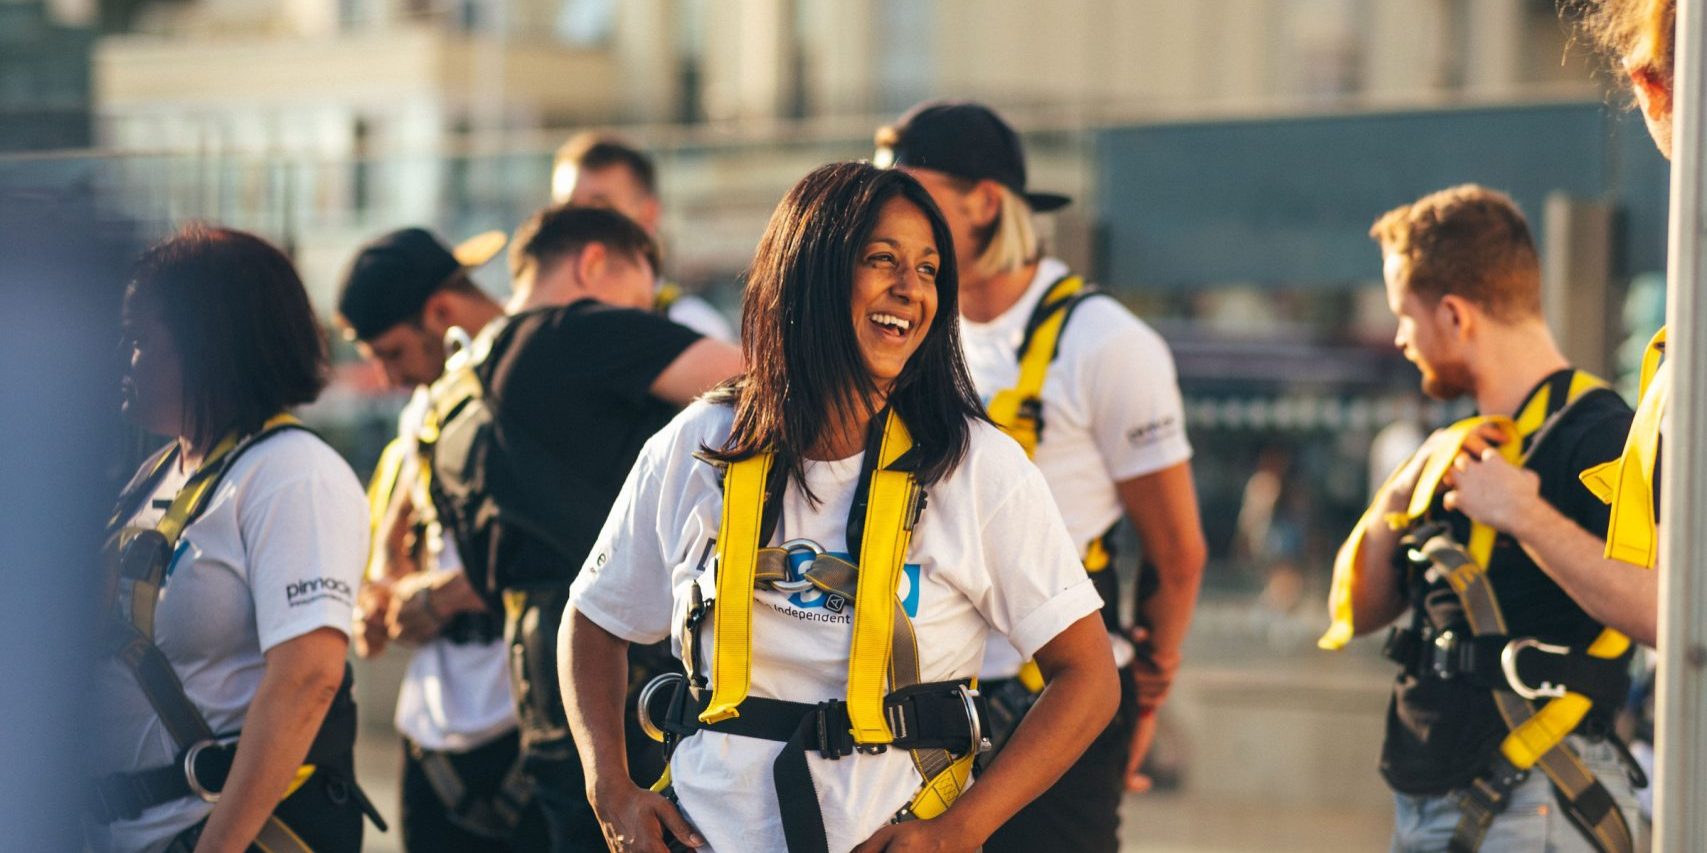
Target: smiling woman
{"points": [[751, 525]]}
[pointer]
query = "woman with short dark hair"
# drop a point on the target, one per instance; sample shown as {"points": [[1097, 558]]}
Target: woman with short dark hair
{"points": [[224, 717], [829, 539]]}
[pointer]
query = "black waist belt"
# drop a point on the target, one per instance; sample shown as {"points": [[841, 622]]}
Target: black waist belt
{"points": [[1523, 665], [201, 769], [473, 627], [939, 715]]}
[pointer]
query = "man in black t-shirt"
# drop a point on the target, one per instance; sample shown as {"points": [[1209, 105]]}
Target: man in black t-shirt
{"points": [[527, 467], [1463, 279]]}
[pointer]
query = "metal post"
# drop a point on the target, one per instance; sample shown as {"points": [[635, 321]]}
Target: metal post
{"points": [[1680, 820]]}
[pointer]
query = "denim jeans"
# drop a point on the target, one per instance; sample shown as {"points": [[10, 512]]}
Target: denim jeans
{"points": [[1532, 823]]}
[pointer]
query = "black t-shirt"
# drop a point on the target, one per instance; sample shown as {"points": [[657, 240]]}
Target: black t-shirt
{"points": [[1441, 734], [571, 390]]}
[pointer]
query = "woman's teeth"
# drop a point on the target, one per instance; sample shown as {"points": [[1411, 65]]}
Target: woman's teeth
{"points": [[892, 321]]}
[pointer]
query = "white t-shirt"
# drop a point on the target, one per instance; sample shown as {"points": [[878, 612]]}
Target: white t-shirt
{"points": [[989, 556], [1111, 412], [455, 696], [699, 315], [276, 553]]}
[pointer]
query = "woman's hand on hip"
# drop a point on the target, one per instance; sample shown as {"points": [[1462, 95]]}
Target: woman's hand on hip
{"points": [[635, 820], [918, 836]]}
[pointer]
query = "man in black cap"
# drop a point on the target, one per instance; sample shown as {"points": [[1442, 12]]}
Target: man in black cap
{"points": [[401, 295], [1089, 391]]}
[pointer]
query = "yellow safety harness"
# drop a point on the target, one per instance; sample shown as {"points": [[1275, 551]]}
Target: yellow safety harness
{"points": [[667, 296], [1627, 483], [139, 560], [886, 704], [1537, 734], [1018, 411]]}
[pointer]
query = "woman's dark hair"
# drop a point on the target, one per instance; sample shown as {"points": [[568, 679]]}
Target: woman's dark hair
{"points": [[238, 314], [804, 369]]}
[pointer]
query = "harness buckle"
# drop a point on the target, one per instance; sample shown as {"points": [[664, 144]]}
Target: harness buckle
{"points": [[1508, 664], [813, 551], [978, 743], [1443, 661], [191, 756]]}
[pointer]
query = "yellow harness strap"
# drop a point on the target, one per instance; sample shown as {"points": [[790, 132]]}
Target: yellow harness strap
{"points": [[1440, 450], [1627, 483], [381, 490], [883, 550], [891, 507], [737, 559], [145, 592], [1014, 409], [667, 295]]}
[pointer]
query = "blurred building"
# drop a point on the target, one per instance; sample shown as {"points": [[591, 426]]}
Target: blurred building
{"points": [[44, 76], [331, 118]]}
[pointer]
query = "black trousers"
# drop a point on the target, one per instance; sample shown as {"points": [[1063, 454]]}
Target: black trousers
{"points": [[1081, 811], [324, 812], [426, 822], [532, 620]]}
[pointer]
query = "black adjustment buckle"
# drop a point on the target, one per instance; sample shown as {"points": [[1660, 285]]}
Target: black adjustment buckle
{"points": [[143, 555], [1414, 541], [1031, 409], [1508, 664], [833, 730], [1402, 646], [1491, 792], [697, 608], [1443, 660]]}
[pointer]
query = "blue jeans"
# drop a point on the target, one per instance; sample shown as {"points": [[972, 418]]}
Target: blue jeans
{"points": [[1532, 823]]}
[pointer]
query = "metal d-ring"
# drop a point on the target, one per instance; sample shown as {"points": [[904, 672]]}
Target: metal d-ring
{"points": [[969, 697], [643, 711], [814, 550], [201, 791]]}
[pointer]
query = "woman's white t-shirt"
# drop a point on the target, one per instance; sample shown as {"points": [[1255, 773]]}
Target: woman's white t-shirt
{"points": [[276, 553], [989, 555], [1111, 412]]}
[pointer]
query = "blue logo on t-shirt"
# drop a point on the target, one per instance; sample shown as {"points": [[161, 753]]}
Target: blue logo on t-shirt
{"points": [[814, 598]]}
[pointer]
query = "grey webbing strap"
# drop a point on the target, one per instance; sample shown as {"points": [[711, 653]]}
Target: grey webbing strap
{"points": [[492, 816], [275, 837], [1588, 803], [833, 575]]}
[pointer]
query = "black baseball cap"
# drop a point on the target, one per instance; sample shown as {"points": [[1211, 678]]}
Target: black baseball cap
{"points": [[392, 277], [965, 139]]}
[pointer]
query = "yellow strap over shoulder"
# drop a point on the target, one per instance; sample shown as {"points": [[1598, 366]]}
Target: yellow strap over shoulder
{"points": [[145, 593], [737, 560], [383, 485], [883, 551], [1632, 533], [1007, 407], [1439, 451]]}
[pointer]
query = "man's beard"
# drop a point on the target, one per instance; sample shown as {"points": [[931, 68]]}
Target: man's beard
{"points": [[1447, 380]]}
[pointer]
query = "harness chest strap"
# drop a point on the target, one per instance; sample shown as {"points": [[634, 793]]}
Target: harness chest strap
{"points": [[1440, 451], [134, 625], [1017, 410], [884, 648]]}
